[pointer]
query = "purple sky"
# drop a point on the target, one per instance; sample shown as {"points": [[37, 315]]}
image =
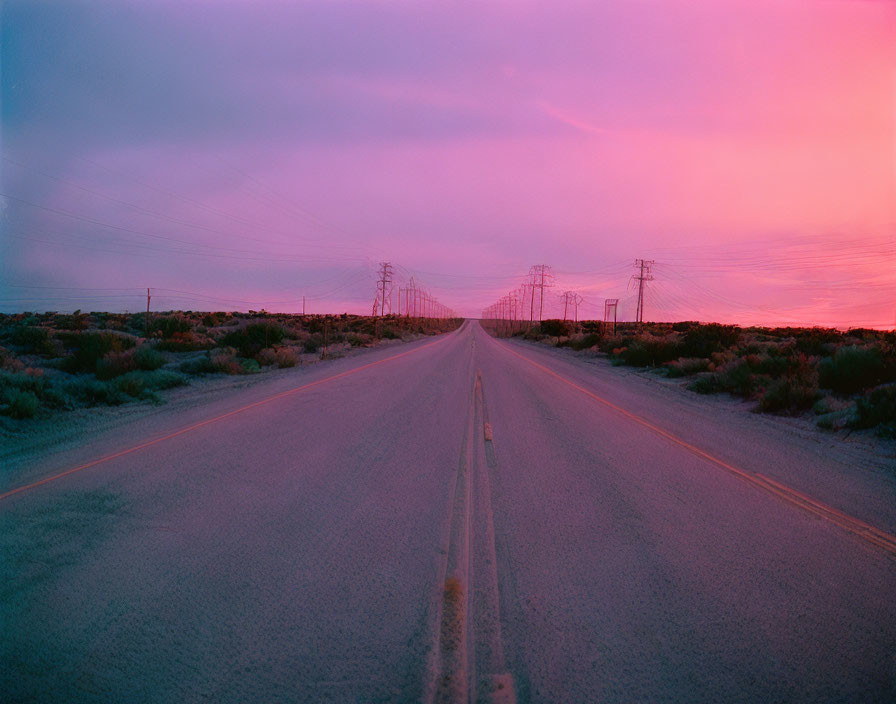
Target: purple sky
{"points": [[239, 155]]}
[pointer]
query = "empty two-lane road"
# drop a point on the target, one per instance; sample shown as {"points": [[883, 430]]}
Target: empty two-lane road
{"points": [[461, 518]]}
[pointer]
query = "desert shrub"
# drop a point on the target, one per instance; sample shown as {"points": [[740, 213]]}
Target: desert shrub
{"points": [[33, 382], [823, 405], [131, 384], [150, 380], [253, 338], [9, 362], [788, 395], [91, 392], [170, 325], [115, 364], [750, 348], [90, 347], [686, 366], [281, 356], [184, 342], [267, 357], [647, 350], [610, 343], [313, 343], [211, 320], [33, 340], [286, 357], [75, 321], [877, 409], [355, 339], [704, 340], [705, 383], [249, 366], [736, 377], [852, 369], [219, 361], [138, 384], [201, 365], [148, 358], [772, 363], [18, 403], [24, 381], [584, 342], [137, 322], [817, 342], [388, 333], [554, 328]]}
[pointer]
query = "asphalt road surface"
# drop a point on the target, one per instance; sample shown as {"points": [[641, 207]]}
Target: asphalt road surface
{"points": [[457, 519]]}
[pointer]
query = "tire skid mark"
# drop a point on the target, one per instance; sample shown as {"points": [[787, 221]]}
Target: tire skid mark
{"points": [[857, 527], [209, 421]]}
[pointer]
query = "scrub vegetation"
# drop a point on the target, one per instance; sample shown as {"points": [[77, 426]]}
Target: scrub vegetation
{"points": [[846, 379], [54, 362]]}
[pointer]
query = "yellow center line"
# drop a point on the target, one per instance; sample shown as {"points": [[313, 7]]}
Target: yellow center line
{"points": [[209, 421], [869, 533]]}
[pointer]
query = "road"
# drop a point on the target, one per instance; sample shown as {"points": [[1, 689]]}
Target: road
{"points": [[460, 518]]}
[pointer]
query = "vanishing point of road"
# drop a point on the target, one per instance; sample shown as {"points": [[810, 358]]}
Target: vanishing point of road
{"points": [[456, 519]]}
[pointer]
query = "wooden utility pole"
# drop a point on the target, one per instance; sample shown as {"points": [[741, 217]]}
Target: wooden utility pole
{"points": [[147, 312], [303, 305]]}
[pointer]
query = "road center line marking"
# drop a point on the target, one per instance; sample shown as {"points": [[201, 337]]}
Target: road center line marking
{"points": [[209, 421], [866, 531]]}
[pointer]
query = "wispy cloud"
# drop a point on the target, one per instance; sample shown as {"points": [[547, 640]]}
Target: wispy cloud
{"points": [[567, 118]]}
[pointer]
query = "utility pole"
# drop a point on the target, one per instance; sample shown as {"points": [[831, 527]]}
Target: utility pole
{"points": [[303, 305], [532, 301], [411, 302], [644, 275], [566, 297], [383, 298], [147, 312]]}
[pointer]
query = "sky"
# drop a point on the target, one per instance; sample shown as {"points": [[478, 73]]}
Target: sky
{"points": [[240, 155]]}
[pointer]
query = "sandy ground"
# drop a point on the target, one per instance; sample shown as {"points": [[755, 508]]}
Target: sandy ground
{"points": [[299, 550]]}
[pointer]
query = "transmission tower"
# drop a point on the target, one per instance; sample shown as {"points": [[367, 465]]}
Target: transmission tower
{"points": [[644, 274], [540, 277], [383, 300], [610, 306]]}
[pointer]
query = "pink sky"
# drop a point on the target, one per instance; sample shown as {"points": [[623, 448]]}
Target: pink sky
{"points": [[749, 148]]}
